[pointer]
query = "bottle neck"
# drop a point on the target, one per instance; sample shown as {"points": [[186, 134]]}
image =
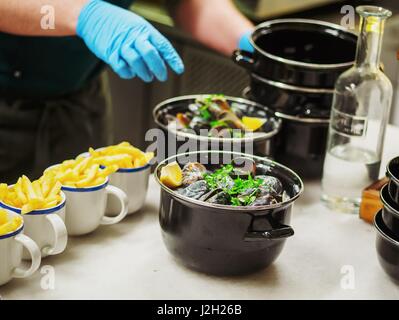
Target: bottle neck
{"points": [[370, 42]]}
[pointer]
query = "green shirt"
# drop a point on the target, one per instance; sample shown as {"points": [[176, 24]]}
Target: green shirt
{"points": [[46, 66]]}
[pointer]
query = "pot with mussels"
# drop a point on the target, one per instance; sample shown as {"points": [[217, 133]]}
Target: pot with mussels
{"points": [[216, 122], [226, 213]]}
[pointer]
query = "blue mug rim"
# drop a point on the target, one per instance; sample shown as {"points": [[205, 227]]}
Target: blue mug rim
{"points": [[14, 233], [35, 212], [131, 170], [85, 190]]}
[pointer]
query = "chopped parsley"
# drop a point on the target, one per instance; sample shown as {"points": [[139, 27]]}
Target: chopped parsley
{"points": [[238, 189]]}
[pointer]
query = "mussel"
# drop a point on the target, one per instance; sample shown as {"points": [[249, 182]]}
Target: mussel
{"points": [[192, 172], [195, 190], [262, 169], [243, 167], [216, 196], [270, 185], [197, 124], [265, 200]]}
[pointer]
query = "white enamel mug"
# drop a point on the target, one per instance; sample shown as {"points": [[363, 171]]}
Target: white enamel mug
{"points": [[46, 227], [85, 208], [11, 246], [134, 182]]}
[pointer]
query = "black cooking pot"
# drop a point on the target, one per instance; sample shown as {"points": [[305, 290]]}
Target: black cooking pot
{"points": [[292, 100], [390, 213], [301, 143], [220, 239], [308, 53], [393, 175], [261, 144], [387, 246]]}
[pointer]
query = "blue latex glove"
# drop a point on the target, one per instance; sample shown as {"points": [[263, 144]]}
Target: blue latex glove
{"points": [[127, 42], [244, 43]]}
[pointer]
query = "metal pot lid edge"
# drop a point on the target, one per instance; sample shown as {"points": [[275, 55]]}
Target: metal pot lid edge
{"points": [[299, 63]]}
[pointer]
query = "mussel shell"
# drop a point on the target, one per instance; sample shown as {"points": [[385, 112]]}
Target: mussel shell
{"points": [[219, 198], [270, 185], [196, 190], [197, 123], [265, 200], [192, 172], [262, 169], [243, 167]]}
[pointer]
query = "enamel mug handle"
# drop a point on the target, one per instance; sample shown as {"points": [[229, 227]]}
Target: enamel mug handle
{"points": [[35, 254], [60, 235], [111, 190]]}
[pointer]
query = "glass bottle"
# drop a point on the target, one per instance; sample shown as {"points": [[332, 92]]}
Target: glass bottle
{"points": [[359, 117]]}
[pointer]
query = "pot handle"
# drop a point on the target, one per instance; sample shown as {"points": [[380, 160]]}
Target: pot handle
{"points": [[244, 59], [279, 232]]}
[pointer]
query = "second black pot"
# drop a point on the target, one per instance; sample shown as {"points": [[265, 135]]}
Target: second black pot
{"points": [[226, 240], [390, 213], [387, 246], [393, 175], [172, 141], [301, 143], [292, 100]]}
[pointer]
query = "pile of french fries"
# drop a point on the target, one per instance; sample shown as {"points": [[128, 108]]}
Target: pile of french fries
{"points": [[8, 225], [123, 155], [80, 173], [28, 196]]}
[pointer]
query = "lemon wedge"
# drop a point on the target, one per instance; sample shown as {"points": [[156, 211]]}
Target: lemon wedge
{"points": [[252, 123], [172, 175]]}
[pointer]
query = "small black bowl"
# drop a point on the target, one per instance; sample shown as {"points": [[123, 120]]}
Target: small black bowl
{"points": [[393, 175], [387, 248], [390, 213]]}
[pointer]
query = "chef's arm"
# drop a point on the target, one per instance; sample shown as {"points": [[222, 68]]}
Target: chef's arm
{"points": [[122, 39], [35, 17], [216, 23]]}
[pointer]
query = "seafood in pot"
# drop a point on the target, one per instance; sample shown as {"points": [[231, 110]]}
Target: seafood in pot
{"points": [[214, 116], [236, 184]]}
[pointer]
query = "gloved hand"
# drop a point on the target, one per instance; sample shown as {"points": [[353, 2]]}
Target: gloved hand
{"points": [[244, 43], [127, 42]]}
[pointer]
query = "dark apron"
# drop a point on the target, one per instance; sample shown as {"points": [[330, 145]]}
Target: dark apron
{"points": [[35, 134]]}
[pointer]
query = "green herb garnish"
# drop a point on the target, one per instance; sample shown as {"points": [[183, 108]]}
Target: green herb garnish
{"points": [[220, 179], [204, 113]]}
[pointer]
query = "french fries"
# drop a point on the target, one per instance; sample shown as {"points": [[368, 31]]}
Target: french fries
{"points": [[30, 196], [82, 172], [79, 173], [123, 155], [8, 225]]}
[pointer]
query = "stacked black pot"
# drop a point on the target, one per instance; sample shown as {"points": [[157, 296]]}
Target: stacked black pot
{"points": [[293, 70], [387, 223]]}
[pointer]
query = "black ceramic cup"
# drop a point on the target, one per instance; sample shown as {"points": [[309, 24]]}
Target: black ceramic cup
{"points": [[387, 246], [390, 213], [393, 175], [220, 239]]}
